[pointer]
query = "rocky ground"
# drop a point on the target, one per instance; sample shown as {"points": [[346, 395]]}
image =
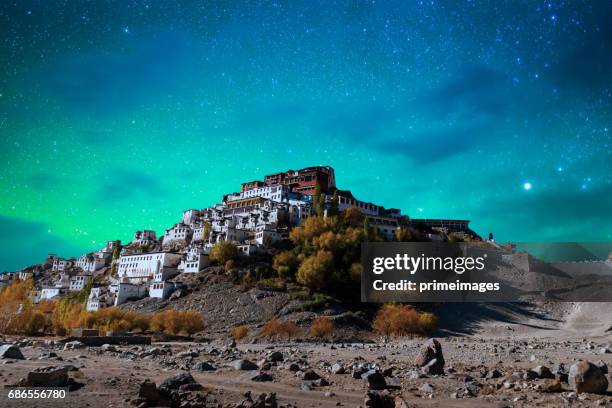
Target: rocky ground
{"points": [[509, 370]]}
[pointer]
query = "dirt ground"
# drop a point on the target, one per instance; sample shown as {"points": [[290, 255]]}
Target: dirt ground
{"points": [[513, 345]]}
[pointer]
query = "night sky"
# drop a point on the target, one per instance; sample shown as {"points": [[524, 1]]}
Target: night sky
{"points": [[116, 116]]}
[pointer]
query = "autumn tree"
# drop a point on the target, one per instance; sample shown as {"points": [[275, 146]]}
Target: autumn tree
{"points": [[224, 251], [335, 204], [285, 264], [353, 217], [317, 270]]}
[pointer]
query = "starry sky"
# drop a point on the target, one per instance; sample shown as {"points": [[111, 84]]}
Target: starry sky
{"points": [[117, 115]]}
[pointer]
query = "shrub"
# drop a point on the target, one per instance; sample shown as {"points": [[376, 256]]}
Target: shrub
{"points": [[240, 332], [285, 264], [229, 265], [316, 271], [275, 329], [192, 322], [353, 217], [401, 320], [223, 251], [322, 326], [428, 322]]}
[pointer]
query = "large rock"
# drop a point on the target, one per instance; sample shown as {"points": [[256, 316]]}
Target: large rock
{"points": [[244, 365], [11, 351], [587, 377], [204, 366], [374, 380], [383, 399], [430, 357], [49, 376], [148, 391], [175, 382], [73, 345], [275, 356]]}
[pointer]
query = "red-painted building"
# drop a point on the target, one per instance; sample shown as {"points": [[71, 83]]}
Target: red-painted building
{"points": [[305, 180]]}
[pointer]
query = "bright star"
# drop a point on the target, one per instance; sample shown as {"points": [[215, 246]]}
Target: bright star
{"points": [[126, 29], [527, 186]]}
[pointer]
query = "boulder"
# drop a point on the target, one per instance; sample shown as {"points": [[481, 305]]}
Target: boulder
{"points": [[148, 391], [11, 351], [587, 377], [338, 369], [383, 399], [175, 382], [243, 365], [374, 380], [261, 377], [275, 356], [108, 347], [203, 366], [543, 372], [430, 351], [52, 376], [310, 375], [73, 345], [603, 367]]}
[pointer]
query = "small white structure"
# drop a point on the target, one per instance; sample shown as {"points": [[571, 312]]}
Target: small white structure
{"points": [[125, 291], [79, 282], [99, 298], [144, 237], [247, 249], [194, 260], [178, 232], [265, 235], [163, 289], [52, 292], [61, 264], [92, 261]]}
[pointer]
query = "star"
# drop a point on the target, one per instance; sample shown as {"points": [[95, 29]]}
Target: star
{"points": [[527, 186]]}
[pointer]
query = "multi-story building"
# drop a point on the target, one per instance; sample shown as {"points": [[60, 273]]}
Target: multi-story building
{"points": [[142, 267], [79, 281], [178, 232], [305, 180], [124, 291], [194, 260], [144, 237], [99, 297], [61, 264]]}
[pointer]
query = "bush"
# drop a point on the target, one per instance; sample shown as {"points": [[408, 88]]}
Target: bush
{"points": [[275, 329], [240, 332], [285, 264], [223, 251], [174, 322], [428, 322], [322, 327], [401, 320], [316, 271], [192, 322]]}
